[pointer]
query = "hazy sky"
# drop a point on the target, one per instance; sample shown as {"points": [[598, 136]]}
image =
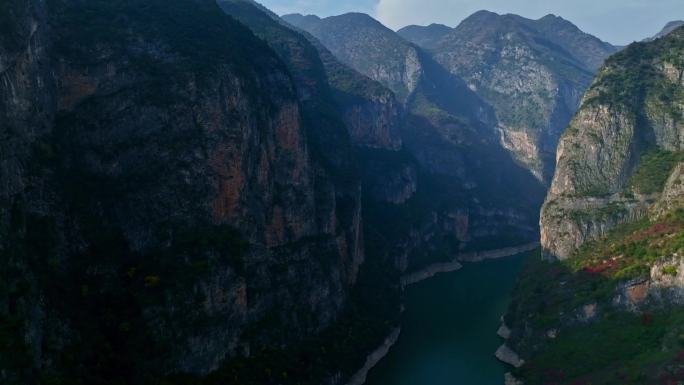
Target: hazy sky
{"points": [[616, 21]]}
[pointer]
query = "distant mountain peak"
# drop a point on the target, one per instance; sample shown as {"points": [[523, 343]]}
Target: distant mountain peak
{"points": [[302, 16], [484, 13], [674, 24], [551, 16], [424, 36], [358, 17], [667, 29], [299, 20]]}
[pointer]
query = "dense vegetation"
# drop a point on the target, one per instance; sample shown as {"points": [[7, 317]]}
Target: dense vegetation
{"points": [[630, 77], [614, 345], [653, 170]]}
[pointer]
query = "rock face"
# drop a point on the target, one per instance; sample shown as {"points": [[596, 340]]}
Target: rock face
{"points": [[506, 355], [605, 166], [662, 285], [371, 111], [673, 193], [165, 163], [533, 72]]}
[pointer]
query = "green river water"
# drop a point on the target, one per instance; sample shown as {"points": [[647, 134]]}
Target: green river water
{"points": [[448, 331]]}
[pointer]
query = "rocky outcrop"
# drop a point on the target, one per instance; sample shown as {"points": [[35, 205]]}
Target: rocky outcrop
{"points": [[630, 109], [163, 162], [567, 223], [664, 284], [504, 331], [533, 72], [506, 355], [673, 193], [509, 379]]}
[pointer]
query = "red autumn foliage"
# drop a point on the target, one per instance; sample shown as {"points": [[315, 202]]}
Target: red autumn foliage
{"points": [[656, 230], [602, 267]]}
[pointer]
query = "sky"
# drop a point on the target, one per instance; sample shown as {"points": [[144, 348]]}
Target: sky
{"points": [[615, 21]]}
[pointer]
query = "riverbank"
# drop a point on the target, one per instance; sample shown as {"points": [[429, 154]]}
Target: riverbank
{"points": [[430, 272], [359, 378], [455, 264], [448, 328]]}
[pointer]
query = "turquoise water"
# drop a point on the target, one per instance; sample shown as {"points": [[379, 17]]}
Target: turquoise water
{"points": [[448, 332]]}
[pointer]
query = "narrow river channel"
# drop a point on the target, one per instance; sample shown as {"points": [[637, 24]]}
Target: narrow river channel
{"points": [[448, 332]]}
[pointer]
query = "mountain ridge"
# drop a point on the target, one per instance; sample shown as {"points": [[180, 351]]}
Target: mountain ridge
{"points": [[532, 105]]}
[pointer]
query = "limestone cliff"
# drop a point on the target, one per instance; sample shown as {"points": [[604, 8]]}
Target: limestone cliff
{"points": [[617, 153], [169, 196]]}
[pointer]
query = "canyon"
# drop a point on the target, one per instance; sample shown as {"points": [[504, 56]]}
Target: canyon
{"points": [[204, 192]]}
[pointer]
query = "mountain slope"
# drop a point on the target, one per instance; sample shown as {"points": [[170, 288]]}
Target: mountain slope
{"points": [[616, 153], [533, 72], [349, 38], [448, 130], [611, 314], [607, 307], [159, 167]]}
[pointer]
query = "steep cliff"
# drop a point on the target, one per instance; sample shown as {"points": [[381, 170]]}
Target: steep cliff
{"points": [[618, 151], [370, 111], [533, 72], [170, 198]]}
